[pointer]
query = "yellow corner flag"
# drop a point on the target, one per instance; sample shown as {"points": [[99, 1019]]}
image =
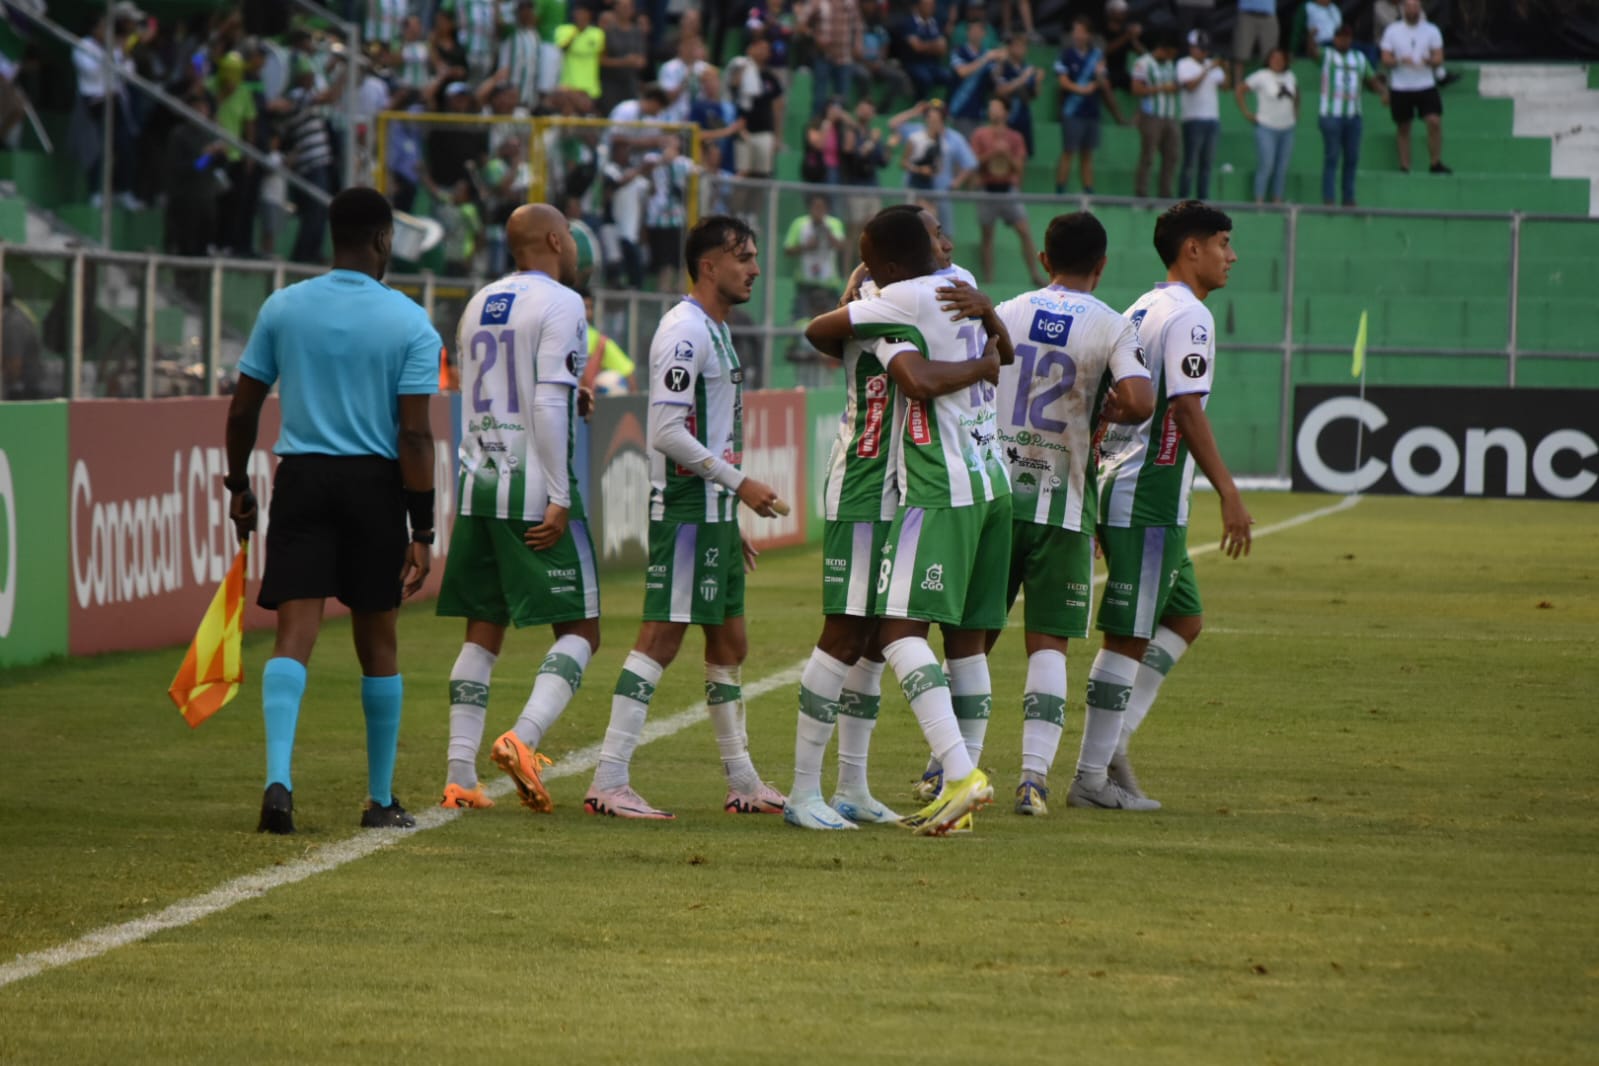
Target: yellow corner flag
{"points": [[1359, 364], [214, 666]]}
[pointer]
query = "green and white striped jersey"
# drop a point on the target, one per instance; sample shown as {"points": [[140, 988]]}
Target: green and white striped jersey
{"points": [[1153, 72], [1070, 349], [1145, 471], [860, 483], [1343, 76], [520, 331], [946, 456], [693, 365]]}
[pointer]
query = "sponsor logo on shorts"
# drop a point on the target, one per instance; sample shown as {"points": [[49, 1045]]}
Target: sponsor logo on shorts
{"points": [[709, 589], [836, 564], [497, 309], [1050, 328], [562, 575], [712, 556], [916, 420], [933, 580], [1195, 365], [563, 590], [1169, 438]]}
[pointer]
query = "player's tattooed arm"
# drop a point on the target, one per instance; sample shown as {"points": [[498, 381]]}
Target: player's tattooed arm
{"points": [[1188, 413], [964, 301]]}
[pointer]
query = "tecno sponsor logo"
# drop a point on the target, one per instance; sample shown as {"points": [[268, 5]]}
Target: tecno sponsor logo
{"points": [[126, 549], [1458, 442]]}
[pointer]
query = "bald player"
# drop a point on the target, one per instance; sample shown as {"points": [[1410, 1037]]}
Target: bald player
{"points": [[519, 551]]}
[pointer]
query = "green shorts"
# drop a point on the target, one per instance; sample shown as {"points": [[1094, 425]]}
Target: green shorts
{"points": [[943, 565], [1056, 568], [1150, 577], [491, 575], [696, 573], [850, 553]]}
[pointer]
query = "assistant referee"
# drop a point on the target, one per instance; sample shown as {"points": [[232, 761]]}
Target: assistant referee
{"points": [[355, 363]]}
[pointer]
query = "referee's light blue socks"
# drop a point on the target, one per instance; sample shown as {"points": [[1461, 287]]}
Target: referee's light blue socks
{"points": [[282, 686], [380, 702]]}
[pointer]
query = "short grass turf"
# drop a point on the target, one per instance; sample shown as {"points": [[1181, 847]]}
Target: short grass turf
{"points": [[1379, 845]]}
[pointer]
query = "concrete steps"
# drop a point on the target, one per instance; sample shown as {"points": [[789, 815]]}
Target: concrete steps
{"points": [[1554, 102]]}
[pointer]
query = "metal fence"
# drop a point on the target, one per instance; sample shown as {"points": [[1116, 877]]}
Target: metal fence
{"points": [[1454, 299]]}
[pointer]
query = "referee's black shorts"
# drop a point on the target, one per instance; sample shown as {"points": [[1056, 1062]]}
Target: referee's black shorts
{"points": [[337, 528]]}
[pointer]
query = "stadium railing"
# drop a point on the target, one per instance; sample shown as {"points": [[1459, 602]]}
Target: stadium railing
{"points": [[1505, 286]]}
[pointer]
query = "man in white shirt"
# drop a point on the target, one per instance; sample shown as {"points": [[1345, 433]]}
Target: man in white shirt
{"points": [[1411, 48], [1199, 76]]}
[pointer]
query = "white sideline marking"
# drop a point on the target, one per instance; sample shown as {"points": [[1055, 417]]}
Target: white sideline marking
{"points": [[1264, 531], [252, 886]]}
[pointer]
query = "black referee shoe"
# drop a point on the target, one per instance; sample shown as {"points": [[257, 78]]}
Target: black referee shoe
{"points": [[391, 817], [277, 811]]}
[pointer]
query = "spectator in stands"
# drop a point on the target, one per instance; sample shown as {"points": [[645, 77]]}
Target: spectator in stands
{"points": [[626, 53], [1322, 19], [718, 122], [689, 24], [479, 22], [973, 68], [627, 185], [104, 103], [935, 157], [1254, 35], [1199, 76], [666, 212], [815, 239], [790, 42], [1411, 48], [548, 17], [404, 161], [1193, 15], [1155, 86], [520, 53], [22, 370], [758, 96], [679, 78], [581, 43], [503, 182], [13, 103], [840, 44], [1017, 83], [1275, 115], [1344, 69], [446, 56], [1001, 160], [236, 113], [825, 142], [416, 66], [1023, 8], [463, 228], [448, 148], [877, 63], [649, 107], [308, 150], [924, 50], [865, 154], [385, 20], [1083, 77], [194, 160], [1124, 39]]}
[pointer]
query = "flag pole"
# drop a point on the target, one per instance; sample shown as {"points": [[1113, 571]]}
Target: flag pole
{"points": [[1359, 369]]}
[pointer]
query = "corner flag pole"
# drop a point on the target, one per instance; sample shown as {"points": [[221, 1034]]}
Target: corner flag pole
{"points": [[1358, 369]]}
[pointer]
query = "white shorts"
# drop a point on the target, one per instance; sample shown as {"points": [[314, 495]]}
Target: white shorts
{"points": [[755, 153]]}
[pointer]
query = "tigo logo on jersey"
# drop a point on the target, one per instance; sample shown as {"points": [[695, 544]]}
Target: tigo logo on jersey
{"points": [[1050, 328], [497, 309], [1195, 365]]}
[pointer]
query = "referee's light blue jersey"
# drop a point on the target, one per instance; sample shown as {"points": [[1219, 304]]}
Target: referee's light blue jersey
{"points": [[342, 349]]}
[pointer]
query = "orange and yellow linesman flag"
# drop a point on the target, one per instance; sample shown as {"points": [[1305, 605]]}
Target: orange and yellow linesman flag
{"points": [[213, 669]]}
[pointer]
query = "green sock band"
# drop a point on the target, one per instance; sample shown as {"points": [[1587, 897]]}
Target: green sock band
{"points": [[859, 705], [470, 693], [1041, 706], [631, 686], [813, 706], [1105, 696], [923, 679], [1158, 659], [973, 708], [566, 668], [716, 692]]}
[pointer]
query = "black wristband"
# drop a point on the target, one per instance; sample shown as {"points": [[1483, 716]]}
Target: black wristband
{"points": [[236, 484], [419, 505], [422, 536]]}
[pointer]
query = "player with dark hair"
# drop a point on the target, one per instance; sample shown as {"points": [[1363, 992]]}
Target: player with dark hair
{"points": [[697, 556], [1151, 612], [355, 363], [1078, 364], [952, 521]]}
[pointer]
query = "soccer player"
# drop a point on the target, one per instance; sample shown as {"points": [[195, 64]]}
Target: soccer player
{"points": [[697, 556], [520, 551], [355, 363], [1079, 364], [953, 520], [842, 681], [1151, 612]]}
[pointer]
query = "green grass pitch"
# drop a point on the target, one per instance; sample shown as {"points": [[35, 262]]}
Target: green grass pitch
{"points": [[1379, 845]]}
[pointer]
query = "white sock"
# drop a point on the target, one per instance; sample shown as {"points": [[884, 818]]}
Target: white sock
{"points": [[630, 705], [1110, 683], [724, 701], [469, 708], [1161, 655], [1043, 710], [858, 705], [927, 691], [972, 693], [820, 686], [553, 688]]}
